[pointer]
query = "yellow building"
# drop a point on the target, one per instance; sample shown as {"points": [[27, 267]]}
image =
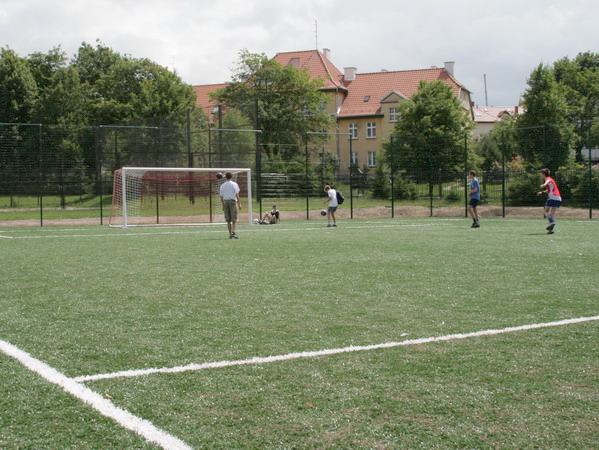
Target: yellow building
{"points": [[364, 105]]}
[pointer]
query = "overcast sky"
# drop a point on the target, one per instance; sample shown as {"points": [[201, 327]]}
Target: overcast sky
{"points": [[201, 39]]}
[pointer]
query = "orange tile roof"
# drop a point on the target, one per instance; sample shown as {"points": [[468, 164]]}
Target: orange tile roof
{"points": [[378, 85], [316, 64], [203, 98]]}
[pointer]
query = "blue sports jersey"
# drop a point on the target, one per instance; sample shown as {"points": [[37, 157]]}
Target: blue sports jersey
{"points": [[474, 184]]}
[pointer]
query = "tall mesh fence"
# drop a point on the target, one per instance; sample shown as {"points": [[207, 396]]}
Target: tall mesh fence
{"points": [[50, 173]]}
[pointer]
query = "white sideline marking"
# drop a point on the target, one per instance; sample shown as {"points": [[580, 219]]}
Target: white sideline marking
{"points": [[144, 428], [6, 237], [223, 230], [333, 351]]}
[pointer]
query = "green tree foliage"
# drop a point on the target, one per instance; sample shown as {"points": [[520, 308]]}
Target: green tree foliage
{"points": [[430, 131], [579, 81], [498, 145], [545, 135], [44, 66], [283, 102], [18, 90], [380, 187], [122, 89], [63, 101]]}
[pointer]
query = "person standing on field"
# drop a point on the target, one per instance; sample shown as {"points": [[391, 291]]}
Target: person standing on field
{"points": [[554, 199], [474, 198], [229, 195], [333, 204]]}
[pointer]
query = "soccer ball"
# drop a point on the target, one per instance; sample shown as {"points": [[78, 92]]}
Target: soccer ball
{"points": [[256, 221], [219, 175], [323, 213]]}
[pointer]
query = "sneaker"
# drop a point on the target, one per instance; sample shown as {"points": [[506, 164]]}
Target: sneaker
{"points": [[550, 227], [329, 226], [473, 225], [334, 224], [477, 225], [231, 236], [550, 232], [234, 236]]}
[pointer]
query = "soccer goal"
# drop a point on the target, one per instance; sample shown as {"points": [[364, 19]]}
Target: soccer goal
{"points": [[153, 196]]}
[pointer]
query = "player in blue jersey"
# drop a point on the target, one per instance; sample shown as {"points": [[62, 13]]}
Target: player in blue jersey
{"points": [[474, 198]]}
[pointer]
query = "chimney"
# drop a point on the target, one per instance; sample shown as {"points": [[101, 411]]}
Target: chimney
{"points": [[449, 66], [349, 73], [327, 53]]}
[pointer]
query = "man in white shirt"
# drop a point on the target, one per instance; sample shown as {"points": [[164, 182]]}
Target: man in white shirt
{"points": [[333, 204], [229, 195]]}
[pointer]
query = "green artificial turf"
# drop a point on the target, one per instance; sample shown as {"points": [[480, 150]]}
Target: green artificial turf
{"points": [[96, 300]]}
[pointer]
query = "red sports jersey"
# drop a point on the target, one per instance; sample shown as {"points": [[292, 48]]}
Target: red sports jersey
{"points": [[552, 189]]}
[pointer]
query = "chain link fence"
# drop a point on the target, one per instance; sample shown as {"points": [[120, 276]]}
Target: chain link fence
{"points": [[52, 174]]}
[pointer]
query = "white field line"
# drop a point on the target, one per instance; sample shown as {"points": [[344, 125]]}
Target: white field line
{"points": [[333, 351], [258, 229], [144, 428], [6, 237]]}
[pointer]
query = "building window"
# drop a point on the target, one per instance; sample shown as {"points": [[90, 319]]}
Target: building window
{"points": [[354, 159], [353, 131], [371, 159], [393, 113], [371, 130]]}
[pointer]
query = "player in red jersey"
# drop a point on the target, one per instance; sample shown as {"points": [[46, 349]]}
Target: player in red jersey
{"points": [[554, 199]]}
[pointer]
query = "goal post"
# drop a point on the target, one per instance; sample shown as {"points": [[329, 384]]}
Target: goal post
{"points": [[154, 196]]}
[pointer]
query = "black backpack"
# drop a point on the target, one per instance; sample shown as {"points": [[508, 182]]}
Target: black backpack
{"points": [[340, 198]]}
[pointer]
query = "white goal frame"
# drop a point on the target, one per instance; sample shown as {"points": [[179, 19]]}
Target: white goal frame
{"points": [[123, 183]]}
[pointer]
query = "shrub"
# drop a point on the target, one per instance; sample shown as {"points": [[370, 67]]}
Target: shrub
{"points": [[523, 190], [404, 190], [379, 185], [580, 192]]}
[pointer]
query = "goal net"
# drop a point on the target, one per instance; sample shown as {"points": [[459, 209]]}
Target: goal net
{"points": [[151, 196]]}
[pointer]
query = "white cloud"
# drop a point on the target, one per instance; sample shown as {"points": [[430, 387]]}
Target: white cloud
{"points": [[503, 40]]}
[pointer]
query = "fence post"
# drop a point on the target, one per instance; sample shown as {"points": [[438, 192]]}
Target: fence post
{"points": [[392, 178], [351, 187], [307, 178], [430, 181], [188, 136], [41, 187], [258, 174], [99, 184], [589, 146], [503, 163], [466, 175]]}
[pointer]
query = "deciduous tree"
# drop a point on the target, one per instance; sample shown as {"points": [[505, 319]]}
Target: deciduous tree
{"points": [[283, 102]]}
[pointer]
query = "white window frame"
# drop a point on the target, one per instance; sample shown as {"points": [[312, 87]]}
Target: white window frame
{"points": [[371, 130], [393, 114], [371, 159], [352, 129], [355, 159]]}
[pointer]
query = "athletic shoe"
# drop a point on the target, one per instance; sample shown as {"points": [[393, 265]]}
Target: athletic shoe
{"points": [[473, 225], [234, 236], [550, 227], [550, 232], [329, 226], [334, 224], [477, 225]]}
